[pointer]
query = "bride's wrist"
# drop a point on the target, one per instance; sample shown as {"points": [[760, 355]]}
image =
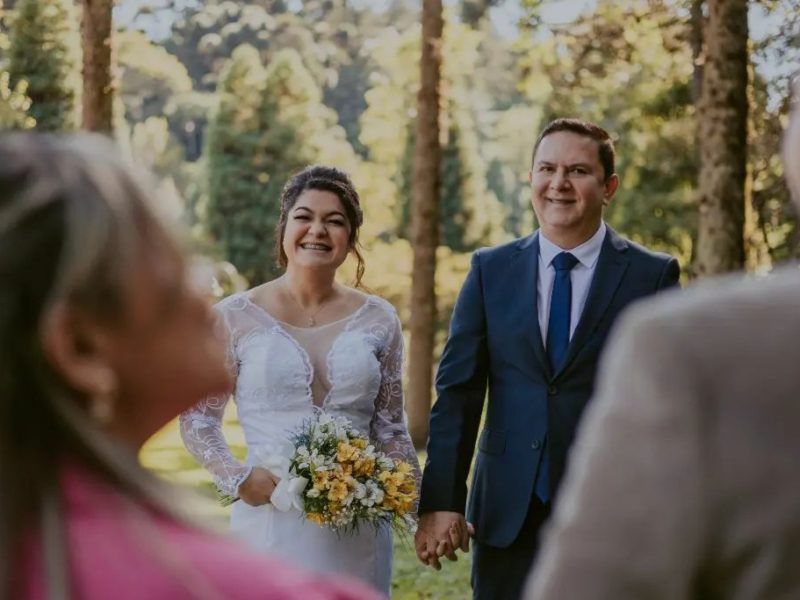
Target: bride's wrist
{"points": [[241, 479]]}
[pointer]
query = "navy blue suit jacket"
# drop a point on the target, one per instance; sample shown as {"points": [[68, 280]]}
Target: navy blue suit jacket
{"points": [[495, 340]]}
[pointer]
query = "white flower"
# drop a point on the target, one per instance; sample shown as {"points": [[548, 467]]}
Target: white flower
{"points": [[374, 494], [360, 491]]}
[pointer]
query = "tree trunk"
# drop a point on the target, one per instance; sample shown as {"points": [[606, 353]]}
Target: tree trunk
{"points": [[425, 224], [722, 124], [697, 25], [98, 91]]}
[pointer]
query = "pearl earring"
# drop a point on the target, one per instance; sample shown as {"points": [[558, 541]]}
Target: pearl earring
{"points": [[102, 402]]}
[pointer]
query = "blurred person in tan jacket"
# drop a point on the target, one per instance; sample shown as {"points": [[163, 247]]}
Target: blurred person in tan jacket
{"points": [[685, 480]]}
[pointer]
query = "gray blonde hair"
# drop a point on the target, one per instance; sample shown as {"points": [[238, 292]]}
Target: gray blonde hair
{"points": [[73, 219]]}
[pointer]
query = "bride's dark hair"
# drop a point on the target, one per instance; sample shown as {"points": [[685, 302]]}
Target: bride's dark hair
{"points": [[329, 179]]}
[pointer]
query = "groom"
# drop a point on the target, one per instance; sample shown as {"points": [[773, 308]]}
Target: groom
{"points": [[530, 322]]}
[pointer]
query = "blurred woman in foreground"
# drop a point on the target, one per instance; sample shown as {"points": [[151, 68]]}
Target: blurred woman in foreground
{"points": [[102, 342]]}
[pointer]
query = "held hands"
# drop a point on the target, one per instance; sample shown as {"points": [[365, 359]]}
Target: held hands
{"points": [[439, 534], [258, 487]]}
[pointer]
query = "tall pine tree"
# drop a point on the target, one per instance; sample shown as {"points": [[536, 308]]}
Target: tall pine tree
{"points": [[237, 170], [470, 215], [43, 53], [14, 104], [722, 124], [269, 124]]}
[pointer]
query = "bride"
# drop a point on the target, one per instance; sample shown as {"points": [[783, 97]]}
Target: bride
{"points": [[301, 345]]}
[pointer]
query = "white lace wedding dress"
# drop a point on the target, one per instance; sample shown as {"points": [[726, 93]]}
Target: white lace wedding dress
{"points": [[284, 376]]}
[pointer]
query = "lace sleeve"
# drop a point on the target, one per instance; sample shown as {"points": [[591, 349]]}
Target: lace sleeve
{"points": [[388, 427], [201, 430]]}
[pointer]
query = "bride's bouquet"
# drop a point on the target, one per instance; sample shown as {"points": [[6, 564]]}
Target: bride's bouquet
{"points": [[337, 479]]}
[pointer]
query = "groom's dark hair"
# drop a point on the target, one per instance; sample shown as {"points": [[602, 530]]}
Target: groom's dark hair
{"points": [[605, 146]]}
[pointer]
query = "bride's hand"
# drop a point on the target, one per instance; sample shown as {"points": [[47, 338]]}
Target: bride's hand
{"points": [[258, 487]]}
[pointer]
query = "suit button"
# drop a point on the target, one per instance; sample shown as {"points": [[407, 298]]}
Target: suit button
{"points": [[552, 390], [536, 444]]}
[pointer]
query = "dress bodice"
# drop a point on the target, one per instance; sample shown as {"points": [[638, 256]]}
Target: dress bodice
{"points": [[317, 342], [285, 375]]}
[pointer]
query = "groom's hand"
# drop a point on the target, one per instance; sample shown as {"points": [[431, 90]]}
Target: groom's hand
{"points": [[439, 534]]}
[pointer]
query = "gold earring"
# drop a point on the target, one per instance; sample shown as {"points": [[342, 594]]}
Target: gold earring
{"points": [[101, 404]]}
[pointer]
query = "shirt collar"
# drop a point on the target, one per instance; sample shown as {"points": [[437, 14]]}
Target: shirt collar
{"points": [[587, 253]]}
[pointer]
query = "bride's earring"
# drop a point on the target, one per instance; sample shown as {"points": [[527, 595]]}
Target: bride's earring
{"points": [[102, 402]]}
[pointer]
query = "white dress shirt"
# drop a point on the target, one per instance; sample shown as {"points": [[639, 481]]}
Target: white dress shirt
{"points": [[581, 276]]}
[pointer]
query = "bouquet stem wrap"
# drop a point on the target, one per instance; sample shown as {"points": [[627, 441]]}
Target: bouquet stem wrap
{"points": [[288, 494]]}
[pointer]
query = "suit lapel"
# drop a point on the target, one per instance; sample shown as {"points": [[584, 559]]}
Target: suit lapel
{"points": [[525, 274], [611, 266]]}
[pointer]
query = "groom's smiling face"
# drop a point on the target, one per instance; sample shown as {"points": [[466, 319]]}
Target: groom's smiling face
{"points": [[569, 187]]}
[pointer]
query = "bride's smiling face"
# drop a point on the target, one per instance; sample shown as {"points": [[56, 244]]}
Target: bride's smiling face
{"points": [[317, 231]]}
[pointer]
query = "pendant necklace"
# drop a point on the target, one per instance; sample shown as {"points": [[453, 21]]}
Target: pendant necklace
{"points": [[312, 321]]}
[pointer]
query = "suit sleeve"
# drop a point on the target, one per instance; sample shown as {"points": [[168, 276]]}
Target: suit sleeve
{"points": [[461, 388], [631, 516], [670, 276]]}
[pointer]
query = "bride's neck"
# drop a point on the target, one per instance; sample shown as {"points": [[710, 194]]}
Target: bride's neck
{"points": [[309, 287]]}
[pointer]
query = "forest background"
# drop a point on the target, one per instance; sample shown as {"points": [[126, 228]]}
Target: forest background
{"points": [[224, 100]]}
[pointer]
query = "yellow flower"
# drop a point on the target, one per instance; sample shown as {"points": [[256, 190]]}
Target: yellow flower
{"points": [[365, 466], [338, 491], [390, 493], [321, 480], [405, 503], [360, 443], [347, 453], [316, 518]]}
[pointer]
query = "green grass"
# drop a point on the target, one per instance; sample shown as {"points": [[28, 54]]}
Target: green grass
{"points": [[165, 455]]}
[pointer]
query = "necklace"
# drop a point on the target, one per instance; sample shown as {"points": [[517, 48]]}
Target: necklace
{"points": [[312, 321]]}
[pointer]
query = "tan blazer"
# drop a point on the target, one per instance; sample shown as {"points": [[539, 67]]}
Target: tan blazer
{"points": [[685, 480]]}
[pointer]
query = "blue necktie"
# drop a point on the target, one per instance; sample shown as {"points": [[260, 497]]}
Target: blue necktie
{"points": [[557, 344], [560, 309]]}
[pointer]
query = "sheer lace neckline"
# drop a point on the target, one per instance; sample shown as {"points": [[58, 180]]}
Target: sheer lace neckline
{"points": [[324, 369], [351, 317]]}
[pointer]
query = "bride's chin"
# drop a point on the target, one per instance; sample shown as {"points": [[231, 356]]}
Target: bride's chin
{"points": [[315, 265]]}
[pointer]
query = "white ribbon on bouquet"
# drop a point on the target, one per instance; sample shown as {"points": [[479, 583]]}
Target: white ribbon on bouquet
{"points": [[288, 494]]}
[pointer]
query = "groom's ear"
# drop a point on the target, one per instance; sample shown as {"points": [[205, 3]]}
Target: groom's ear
{"points": [[610, 188]]}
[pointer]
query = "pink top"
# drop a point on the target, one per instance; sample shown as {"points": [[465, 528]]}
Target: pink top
{"points": [[122, 550]]}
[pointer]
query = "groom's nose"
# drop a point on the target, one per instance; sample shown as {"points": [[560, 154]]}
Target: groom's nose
{"points": [[559, 179]]}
